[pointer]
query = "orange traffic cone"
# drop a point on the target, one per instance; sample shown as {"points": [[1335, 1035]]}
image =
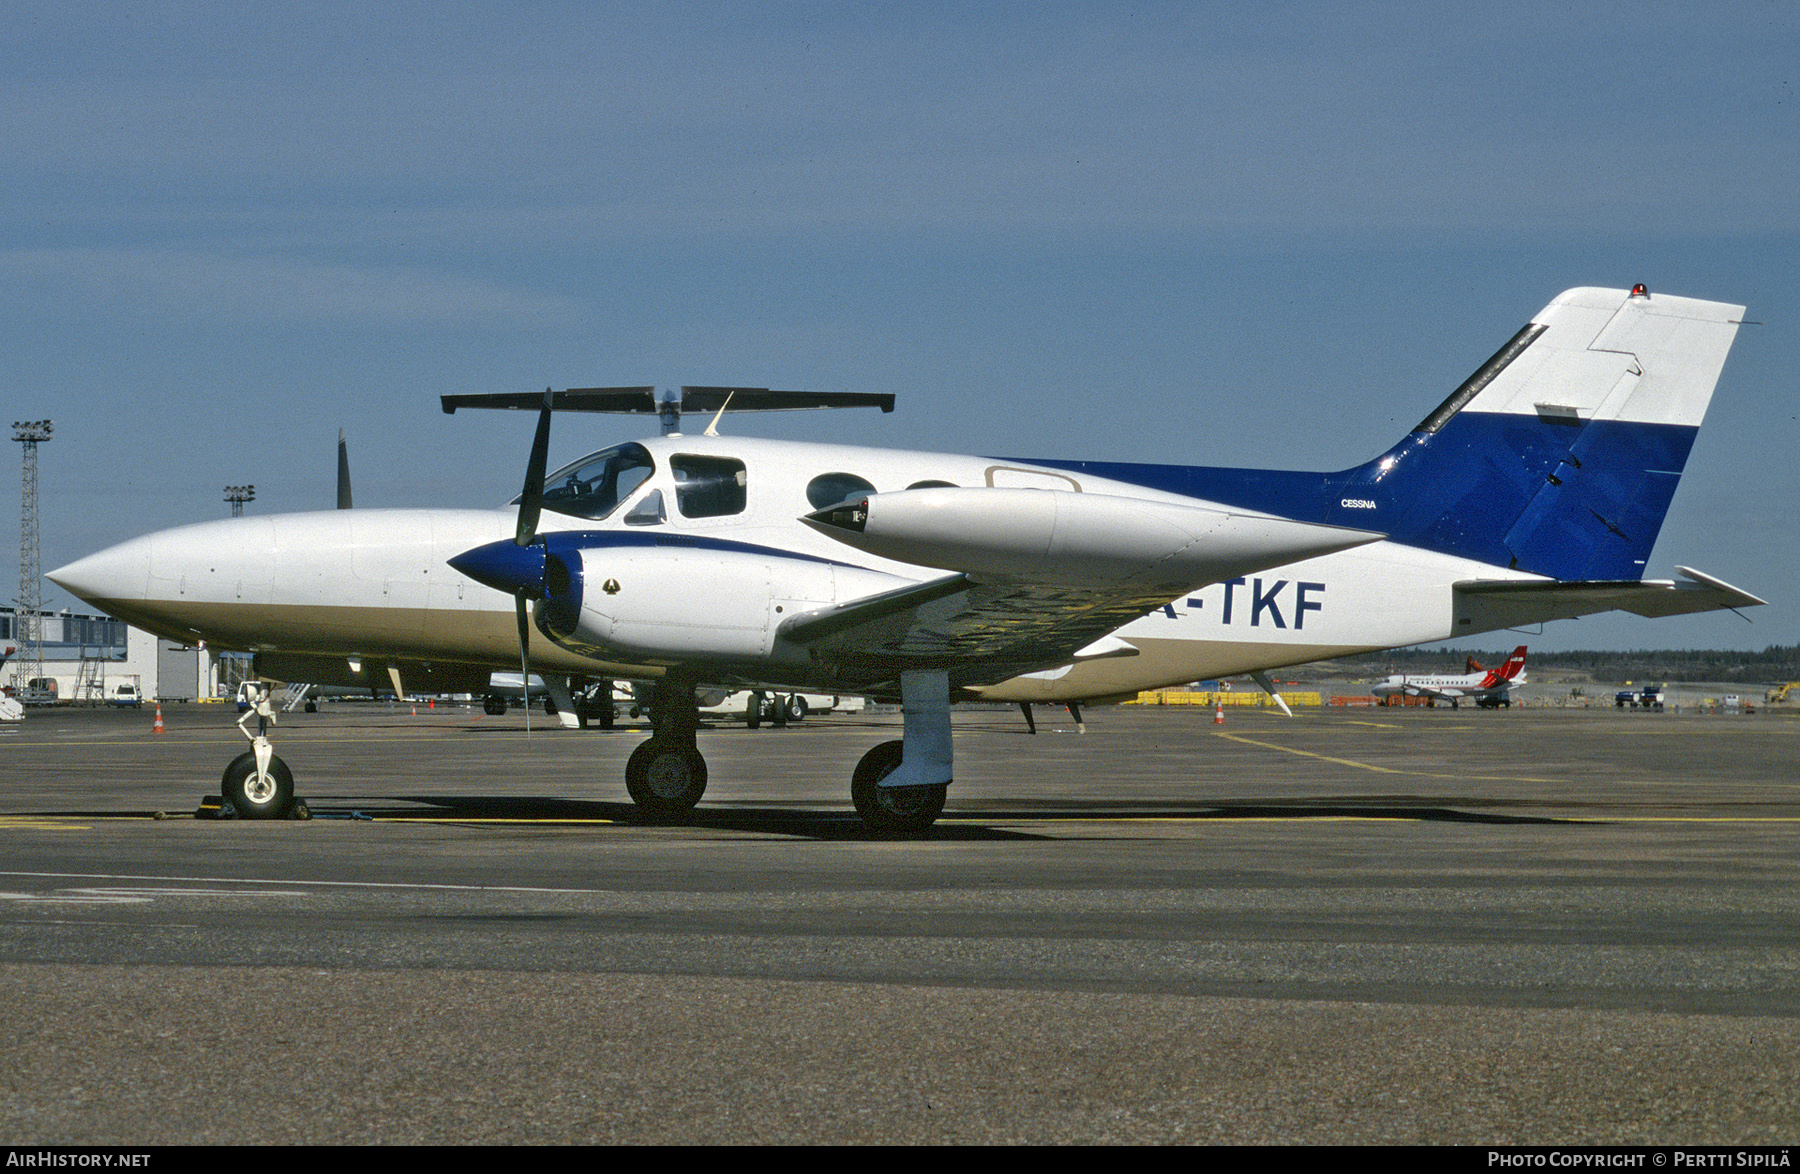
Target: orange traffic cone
{"points": [[1218, 713], [158, 727]]}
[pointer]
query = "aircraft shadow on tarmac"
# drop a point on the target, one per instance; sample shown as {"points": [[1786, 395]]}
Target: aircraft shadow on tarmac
{"points": [[835, 824]]}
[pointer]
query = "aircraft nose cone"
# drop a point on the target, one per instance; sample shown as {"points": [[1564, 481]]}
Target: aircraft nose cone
{"points": [[505, 566], [116, 573]]}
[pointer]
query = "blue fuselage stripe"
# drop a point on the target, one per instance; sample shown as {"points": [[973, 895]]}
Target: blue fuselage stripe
{"points": [[1583, 501]]}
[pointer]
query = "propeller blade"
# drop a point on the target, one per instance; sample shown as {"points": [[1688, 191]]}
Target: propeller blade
{"points": [[343, 472], [531, 501], [524, 656]]}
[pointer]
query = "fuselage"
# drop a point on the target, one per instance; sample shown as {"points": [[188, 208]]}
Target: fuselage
{"points": [[376, 585]]}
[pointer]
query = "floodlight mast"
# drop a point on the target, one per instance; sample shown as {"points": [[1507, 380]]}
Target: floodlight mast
{"points": [[28, 665], [237, 495]]}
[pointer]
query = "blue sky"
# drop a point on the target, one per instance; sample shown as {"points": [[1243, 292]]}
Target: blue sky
{"points": [[1171, 232]]}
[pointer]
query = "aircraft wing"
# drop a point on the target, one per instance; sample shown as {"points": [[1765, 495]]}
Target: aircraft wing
{"points": [[1486, 604], [983, 632], [1038, 577]]}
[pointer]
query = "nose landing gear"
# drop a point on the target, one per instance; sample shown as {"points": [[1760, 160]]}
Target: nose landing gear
{"points": [[258, 784]]}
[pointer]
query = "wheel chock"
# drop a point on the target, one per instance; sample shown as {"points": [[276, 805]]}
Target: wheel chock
{"points": [[214, 807], [218, 807]]}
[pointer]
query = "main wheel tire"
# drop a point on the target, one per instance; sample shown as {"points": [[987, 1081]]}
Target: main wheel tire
{"points": [[493, 706], [252, 798], [892, 809], [753, 711], [665, 779]]}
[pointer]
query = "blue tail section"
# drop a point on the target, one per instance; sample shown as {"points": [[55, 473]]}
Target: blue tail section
{"points": [[1559, 456]]}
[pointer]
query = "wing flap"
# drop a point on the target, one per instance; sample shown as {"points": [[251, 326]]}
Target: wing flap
{"points": [[813, 626], [982, 632]]}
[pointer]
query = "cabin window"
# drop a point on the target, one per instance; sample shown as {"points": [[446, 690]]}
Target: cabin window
{"points": [[594, 486], [708, 487], [829, 489]]}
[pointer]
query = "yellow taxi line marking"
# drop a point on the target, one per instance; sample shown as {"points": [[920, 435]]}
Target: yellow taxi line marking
{"points": [[1386, 770]]}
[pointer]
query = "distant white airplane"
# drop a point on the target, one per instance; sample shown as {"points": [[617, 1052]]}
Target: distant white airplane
{"points": [[1534, 492], [1488, 688]]}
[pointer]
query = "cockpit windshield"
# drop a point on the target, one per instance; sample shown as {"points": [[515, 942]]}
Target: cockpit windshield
{"points": [[594, 486]]}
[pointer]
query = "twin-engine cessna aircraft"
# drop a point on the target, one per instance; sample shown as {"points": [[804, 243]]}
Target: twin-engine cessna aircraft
{"points": [[1534, 492]]}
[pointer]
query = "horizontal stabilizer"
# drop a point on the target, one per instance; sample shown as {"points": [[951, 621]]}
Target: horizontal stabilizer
{"points": [[1486, 604], [761, 399], [575, 399], [642, 401]]}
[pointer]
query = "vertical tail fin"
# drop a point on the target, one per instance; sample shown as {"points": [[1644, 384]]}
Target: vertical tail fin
{"points": [[1561, 454]]}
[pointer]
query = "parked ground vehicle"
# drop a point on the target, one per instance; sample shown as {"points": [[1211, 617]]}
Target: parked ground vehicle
{"points": [[1649, 697]]}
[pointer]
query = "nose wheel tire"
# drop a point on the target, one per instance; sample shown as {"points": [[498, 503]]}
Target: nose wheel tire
{"points": [[892, 809], [665, 779], [271, 797]]}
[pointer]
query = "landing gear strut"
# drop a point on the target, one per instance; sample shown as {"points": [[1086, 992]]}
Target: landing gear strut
{"points": [[899, 787], [666, 775]]}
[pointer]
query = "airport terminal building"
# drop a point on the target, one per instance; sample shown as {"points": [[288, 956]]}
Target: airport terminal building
{"points": [[92, 660]]}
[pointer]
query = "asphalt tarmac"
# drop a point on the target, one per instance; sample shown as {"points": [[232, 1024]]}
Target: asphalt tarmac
{"points": [[1547, 927]]}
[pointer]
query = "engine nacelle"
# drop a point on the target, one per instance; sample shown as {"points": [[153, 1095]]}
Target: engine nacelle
{"points": [[684, 599]]}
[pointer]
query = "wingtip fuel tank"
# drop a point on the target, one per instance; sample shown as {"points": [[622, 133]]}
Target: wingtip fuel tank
{"points": [[1086, 538]]}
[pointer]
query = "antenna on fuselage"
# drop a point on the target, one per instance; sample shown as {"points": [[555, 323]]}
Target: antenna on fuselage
{"points": [[712, 429]]}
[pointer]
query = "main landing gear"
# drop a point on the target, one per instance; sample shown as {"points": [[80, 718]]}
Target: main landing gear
{"points": [[892, 809], [667, 775], [899, 787]]}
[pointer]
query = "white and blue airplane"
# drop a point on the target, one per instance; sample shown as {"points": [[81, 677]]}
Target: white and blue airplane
{"points": [[1534, 492]]}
